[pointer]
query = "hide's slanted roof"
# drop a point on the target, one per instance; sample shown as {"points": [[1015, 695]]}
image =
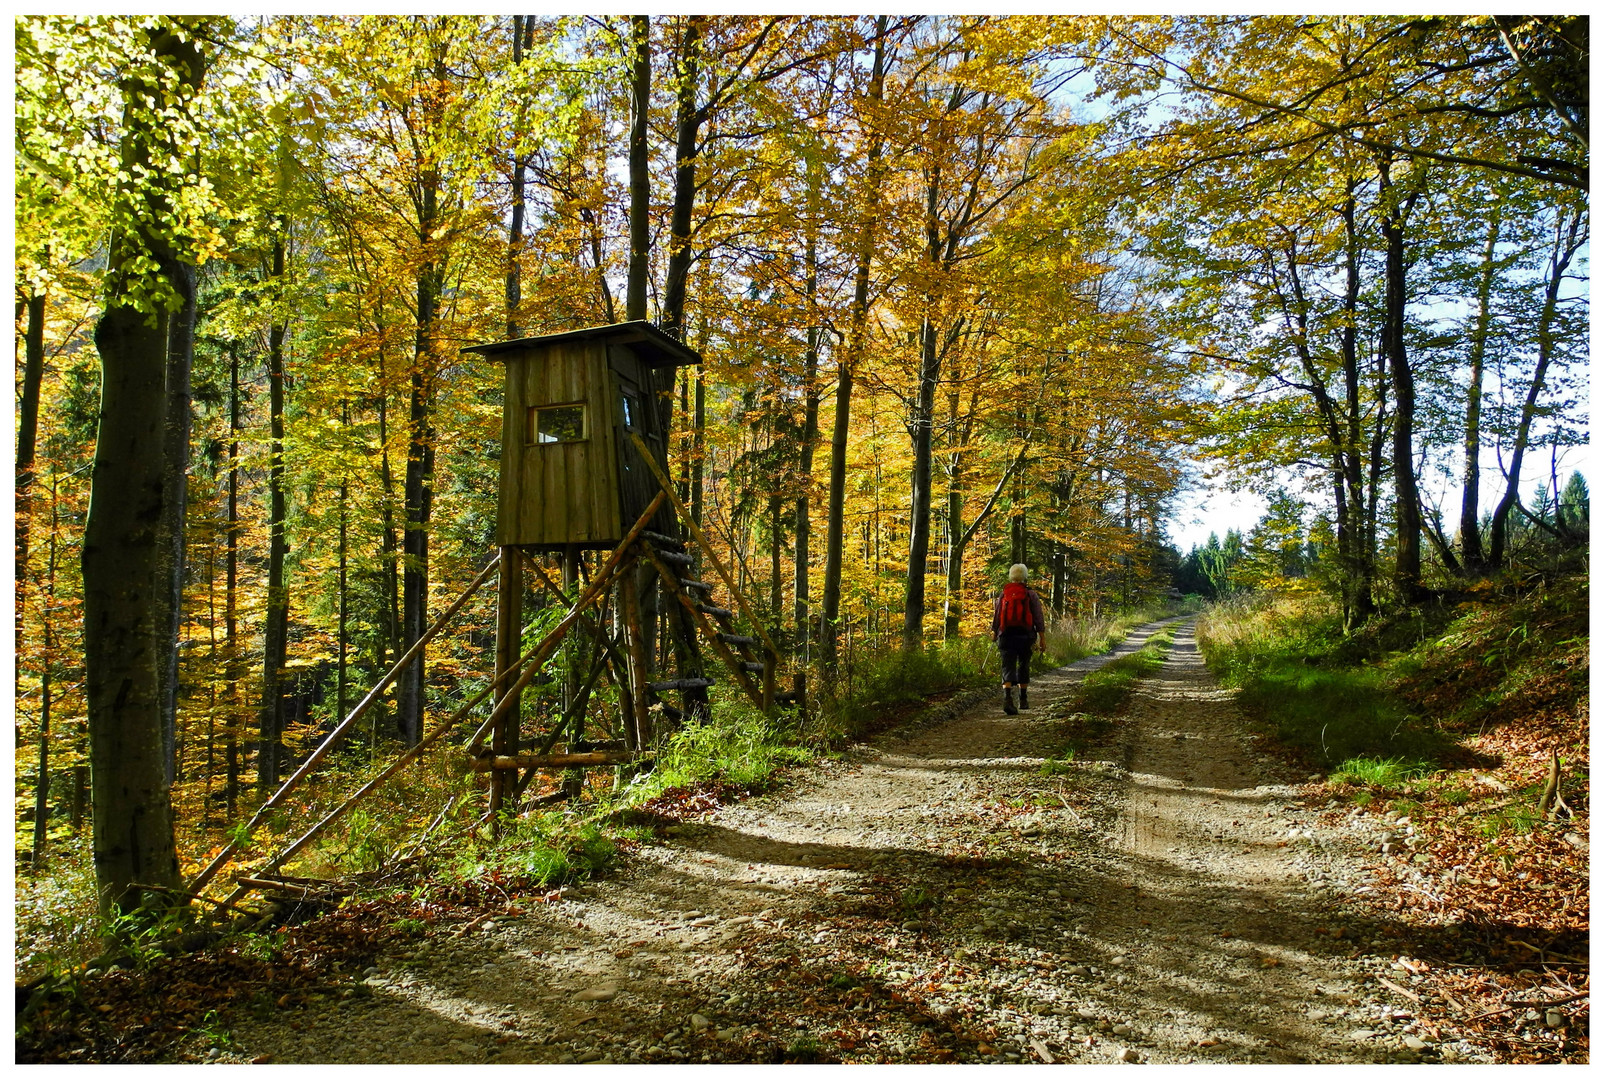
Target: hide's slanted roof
{"points": [[655, 347]]}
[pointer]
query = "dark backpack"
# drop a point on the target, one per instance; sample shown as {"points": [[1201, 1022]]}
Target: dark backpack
{"points": [[1015, 611]]}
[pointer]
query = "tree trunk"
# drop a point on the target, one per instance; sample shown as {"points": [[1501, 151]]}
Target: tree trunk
{"points": [[810, 428], [919, 504], [231, 641], [1356, 552], [687, 125], [419, 490], [276, 628], [836, 499], [1471, 551], [515, 229], [955, 558], [175, 449], [133, 817], [387, 643], [1566, 246], [33, 374], [41, 800], [640, 179], [1407, 499], [341, 693]]}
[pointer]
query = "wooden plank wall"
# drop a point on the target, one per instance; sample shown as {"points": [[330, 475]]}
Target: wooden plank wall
{"points": [[559, 493]]}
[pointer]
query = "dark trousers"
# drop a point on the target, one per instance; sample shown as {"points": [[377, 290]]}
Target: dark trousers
{"points": [[1015, 648]]}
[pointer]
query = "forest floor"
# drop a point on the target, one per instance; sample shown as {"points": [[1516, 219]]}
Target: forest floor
{"points": [[960, 889]]}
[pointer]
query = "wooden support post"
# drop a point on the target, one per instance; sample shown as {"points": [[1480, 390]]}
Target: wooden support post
{"points": [[769, 660], [573, 779], [509, 625], [630, 607], [593, 592]]}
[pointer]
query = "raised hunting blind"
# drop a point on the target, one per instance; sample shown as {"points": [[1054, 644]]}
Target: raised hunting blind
{"points": [[584, 467], [571, 477]]}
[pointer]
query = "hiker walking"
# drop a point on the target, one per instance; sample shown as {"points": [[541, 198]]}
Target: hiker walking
{"points": [[1017, 623]]}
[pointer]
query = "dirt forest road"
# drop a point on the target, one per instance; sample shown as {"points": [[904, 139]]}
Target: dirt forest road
{"points": [[934, 896]]}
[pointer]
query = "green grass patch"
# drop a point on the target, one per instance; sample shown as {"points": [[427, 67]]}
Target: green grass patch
{"points": [[1084, 717], [1104, 692], [1317, 690], [1387, 773]]}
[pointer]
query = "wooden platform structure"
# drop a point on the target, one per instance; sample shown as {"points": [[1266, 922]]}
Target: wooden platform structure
{"points": [[593, 383]]}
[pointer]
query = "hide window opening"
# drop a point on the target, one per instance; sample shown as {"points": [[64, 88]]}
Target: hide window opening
{"points": [[555, 424]]}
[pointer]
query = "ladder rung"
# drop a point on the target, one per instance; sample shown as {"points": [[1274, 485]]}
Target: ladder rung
{"points": [[737, 639], [661, 541], [709, 609], [687, 583], [679, 684], [674, 558], [751, 665], [787, 698]]}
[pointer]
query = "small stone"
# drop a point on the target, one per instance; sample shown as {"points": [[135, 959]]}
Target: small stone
{"points": [[589, 1056], [701, 1023], [1079, 969], [370, 970], [597, 993], [1123, 1030], [1128, 1056], [1415, 1043], [1554, 1018], [1362, 1034], [1117, 961]]}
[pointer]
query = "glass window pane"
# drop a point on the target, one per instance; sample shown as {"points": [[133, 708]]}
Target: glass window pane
{"points": [[562, 423]]}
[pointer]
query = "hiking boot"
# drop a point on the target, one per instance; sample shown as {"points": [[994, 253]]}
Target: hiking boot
{"points": [[1008, 700], [1023, 703]]}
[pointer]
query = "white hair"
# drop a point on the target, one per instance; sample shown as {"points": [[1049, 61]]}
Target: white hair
{"points": [[1017, 572]]}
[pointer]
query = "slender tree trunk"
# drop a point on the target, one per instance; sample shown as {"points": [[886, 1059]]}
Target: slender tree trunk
{"points": [[133, 817], [1566, 246], [342, 696], [1356, 553], [640, 178], [231, 642], [175, 449], [699, 450], [33, 374], [419, 491], [275, 631], [1407, 499], [810, 428], [955, 559], [687, 126], [836, 499], [41, 800], [919, 508], [387, 644], [515, 230], [1471, 552]]}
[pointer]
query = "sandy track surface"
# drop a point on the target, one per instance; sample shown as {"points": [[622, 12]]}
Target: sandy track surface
{"points": [[936, 895]]}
